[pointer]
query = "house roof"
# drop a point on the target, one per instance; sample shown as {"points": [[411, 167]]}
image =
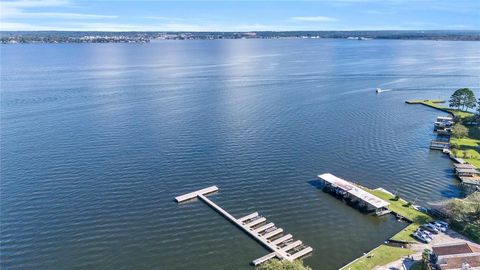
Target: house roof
{"points": [[457, 262], [455, 248]]}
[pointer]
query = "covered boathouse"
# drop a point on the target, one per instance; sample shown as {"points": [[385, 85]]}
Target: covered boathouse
{"points": [[352, 192]]}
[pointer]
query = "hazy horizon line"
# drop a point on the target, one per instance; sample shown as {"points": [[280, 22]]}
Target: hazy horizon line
{"points": [[216, 31]]}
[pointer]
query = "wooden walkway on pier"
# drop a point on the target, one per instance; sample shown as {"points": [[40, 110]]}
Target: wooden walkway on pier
{"points": [[282, 246], [468, 174], [439, 145]]}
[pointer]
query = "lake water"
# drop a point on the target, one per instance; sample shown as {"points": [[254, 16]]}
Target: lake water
{"points": [[97, 140]]}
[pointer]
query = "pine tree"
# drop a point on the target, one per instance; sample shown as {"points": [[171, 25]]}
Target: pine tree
{"points": [[455, 99], [425, 258], [470, 100], [463, 98], [478, 107]]}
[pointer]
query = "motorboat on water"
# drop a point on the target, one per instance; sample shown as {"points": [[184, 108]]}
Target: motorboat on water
{"points": [[380, 90]]}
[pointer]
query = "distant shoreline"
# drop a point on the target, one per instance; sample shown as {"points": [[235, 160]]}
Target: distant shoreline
{"points": [[16, 37]]}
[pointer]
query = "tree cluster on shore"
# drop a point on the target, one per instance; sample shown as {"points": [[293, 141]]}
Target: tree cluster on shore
{"points": [[459, 131], [464, 99], [464, 214]]}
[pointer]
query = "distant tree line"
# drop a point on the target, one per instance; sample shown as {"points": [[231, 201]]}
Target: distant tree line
{"points": [[73, 36], [73, 39]]}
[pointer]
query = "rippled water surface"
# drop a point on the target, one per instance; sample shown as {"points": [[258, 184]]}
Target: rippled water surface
{"points": [[97, 139]]}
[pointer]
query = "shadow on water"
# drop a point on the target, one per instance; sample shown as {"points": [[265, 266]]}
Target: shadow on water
{"points": [[449, 172], [315, 183], [341, 196], [451, 191]]}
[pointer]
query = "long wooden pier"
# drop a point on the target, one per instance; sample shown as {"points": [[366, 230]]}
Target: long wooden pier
{"points": [[283, 247]]}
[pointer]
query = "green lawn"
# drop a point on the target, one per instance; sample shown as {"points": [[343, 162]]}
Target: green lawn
{"points": [[381, 255], [405, 235], [400, 207], [435, 103], [467, 148], [466, 141], [430, 101], [461, 114], [474, 162]]}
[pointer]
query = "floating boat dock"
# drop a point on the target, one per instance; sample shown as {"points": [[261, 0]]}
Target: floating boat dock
{"points": [[443, 128], [468, 174], [348, 190], [270, 236], [439, 145], [455, 159], [443, 122]]}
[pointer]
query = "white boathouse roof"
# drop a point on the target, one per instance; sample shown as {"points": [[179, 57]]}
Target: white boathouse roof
{"points": [[354, 190], [444, 118]]}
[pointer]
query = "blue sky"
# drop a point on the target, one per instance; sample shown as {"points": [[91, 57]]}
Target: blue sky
{"points": [[267, 15]]}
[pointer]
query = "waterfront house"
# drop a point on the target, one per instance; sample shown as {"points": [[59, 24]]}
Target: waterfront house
{"points": [[457, 256]]}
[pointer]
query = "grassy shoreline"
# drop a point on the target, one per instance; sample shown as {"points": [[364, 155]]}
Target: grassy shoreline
{"points": [[402, 208], [467, 148], [385, 254], [380, 255], [436, 104]]}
